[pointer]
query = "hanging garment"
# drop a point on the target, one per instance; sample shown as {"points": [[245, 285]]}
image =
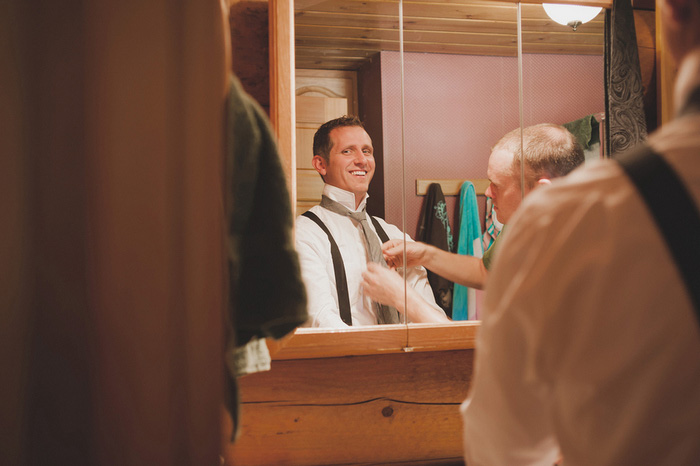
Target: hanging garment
{"points": [[492, 227], [266, 295], [469, 243], [587, 133], [582, 129], [434, 228], [625, 119]]}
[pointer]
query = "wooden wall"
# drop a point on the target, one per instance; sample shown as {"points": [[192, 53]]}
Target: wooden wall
{"points": [[362, 396], [366, 409], [111, 256], [250, 47], [645, 27]]}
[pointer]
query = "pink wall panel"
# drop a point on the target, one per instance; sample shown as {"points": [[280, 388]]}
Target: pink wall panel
{"points": [[458, 106]]}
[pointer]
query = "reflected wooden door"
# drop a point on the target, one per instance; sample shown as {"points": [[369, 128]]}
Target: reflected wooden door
{"points": [[320, 96]]}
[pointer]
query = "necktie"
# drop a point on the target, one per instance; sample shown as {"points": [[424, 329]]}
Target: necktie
{"points": [[385, 314]]}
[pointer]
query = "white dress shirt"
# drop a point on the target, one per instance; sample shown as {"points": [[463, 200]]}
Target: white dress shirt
{"points": [[589, 344], [317, 265]]}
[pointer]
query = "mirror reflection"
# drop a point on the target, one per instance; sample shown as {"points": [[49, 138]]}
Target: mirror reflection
{"points": [[340, 169], [564, 83], [459, 72]]}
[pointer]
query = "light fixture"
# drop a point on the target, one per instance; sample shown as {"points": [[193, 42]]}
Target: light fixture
{"points": [[571, 15]]}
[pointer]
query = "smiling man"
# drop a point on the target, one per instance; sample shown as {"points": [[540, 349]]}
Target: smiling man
{"points": [[337, 294], [551, 151]]}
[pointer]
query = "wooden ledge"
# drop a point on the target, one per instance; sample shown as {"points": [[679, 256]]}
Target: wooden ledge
{"points": [[452, 187], [306, 343]]}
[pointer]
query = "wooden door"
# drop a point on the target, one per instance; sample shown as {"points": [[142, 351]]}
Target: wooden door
{"points": [[321, 96]]}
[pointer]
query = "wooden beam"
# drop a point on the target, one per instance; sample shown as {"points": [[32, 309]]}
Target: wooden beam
{"points": [[282, 95], [378, 339]]}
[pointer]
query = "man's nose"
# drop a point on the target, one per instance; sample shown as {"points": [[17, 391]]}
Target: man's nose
{"points": [[361, 158]]}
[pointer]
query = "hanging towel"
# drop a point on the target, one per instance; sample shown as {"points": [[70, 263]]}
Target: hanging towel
{"points": [[469, 243], [266, 295], [434, 228], [582, 129], [587, 133]]}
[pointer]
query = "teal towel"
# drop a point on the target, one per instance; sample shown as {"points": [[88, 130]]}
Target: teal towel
{"points": [[469, 231]]}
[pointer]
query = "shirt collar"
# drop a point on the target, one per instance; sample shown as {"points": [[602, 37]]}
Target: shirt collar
{"points": [[344, 197]]}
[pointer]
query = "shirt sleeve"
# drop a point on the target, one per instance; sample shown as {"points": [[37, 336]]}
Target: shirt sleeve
{"points": [[490, 253], [314, 253], [505, 418]]}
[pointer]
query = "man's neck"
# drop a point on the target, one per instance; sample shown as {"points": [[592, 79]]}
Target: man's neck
{"points": [[346, 198]]}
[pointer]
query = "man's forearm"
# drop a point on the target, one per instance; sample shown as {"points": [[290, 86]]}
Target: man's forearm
{"points": [[417, 310], [464, 270]]}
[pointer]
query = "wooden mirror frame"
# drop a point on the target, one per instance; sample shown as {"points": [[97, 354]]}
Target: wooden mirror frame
{"points": [[283, 118], [380, 394]]}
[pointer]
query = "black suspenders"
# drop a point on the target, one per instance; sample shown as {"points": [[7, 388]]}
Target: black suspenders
{"points": [[673, 209], [380, 230], [341, 281]]}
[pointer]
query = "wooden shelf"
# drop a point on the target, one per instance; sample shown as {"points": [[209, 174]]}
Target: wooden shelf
{"points": [[451, 187]]}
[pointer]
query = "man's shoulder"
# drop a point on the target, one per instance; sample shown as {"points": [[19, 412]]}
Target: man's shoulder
{"points": [[305, 226], [597, 197], [315, 210]]}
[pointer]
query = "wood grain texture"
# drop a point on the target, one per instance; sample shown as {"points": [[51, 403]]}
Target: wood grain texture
{"points": [[374, 409], [282, 105], [383, 339], [344, 34]]}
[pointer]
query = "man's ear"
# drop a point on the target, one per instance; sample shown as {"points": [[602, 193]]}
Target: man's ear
{"points": [[543, 181], [319, 163]]}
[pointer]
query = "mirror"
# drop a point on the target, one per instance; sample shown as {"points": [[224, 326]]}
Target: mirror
{"points": [[563, 83], [459, 77], [347, 62], [341, 55]]}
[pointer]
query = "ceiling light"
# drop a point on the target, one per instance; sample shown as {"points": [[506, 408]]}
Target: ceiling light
{"points": [[571, 15]]}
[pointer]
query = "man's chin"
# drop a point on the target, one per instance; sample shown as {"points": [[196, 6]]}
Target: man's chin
{"points": [[361, 186]]}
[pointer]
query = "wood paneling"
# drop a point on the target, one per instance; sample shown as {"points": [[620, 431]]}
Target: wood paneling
{"points": [[309, 186], [307, 343], [321, 95], [282, 104], [399, 407], [117, 275], [343, 34], [365, 395], [645, 28]]}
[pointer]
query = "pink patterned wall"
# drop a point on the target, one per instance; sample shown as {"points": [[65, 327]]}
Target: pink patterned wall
{"points": [[458, 106]]}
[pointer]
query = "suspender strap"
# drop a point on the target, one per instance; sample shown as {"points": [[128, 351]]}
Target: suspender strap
{"points": [[380, 231], [673, 209], [341, 282]]}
